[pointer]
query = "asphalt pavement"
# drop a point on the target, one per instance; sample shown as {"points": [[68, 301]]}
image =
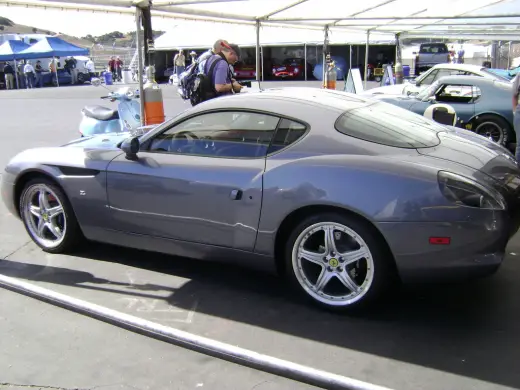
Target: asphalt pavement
{"points": [[453, 336]]}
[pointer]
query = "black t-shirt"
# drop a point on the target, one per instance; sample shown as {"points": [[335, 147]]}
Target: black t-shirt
{"points": [[8, 69]]}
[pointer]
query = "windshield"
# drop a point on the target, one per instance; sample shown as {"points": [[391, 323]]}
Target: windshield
{"points": [[493, 75], [389, 125], [425, 93]]}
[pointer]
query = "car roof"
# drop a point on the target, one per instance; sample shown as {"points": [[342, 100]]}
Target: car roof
{"points": [[468, 67], [472, 80], [323, 98]]}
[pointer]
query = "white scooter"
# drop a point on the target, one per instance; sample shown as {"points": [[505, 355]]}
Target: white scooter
{"points": [[102, 120]]}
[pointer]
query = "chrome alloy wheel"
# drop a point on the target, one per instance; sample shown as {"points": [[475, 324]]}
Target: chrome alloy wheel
{"points": [[44, 216], [333, 264]]}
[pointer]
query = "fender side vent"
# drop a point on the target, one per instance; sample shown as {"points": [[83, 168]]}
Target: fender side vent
{"points": [[74, 171]]}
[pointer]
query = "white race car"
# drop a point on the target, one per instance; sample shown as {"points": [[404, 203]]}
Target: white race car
{"points": [[414, 86]]}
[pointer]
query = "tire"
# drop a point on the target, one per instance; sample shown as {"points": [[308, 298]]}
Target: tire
{"points": [[489, 125], [373, 274], [378, 79], [81, 78], [60, 233]]}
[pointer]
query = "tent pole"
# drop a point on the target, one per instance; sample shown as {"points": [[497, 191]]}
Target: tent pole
{"points": [[305, 59], [262, 63], [56, 70], [324, 51], [257, 50], [16, 74], [139, 60], [350, 58], [366, 58], [509, 56]]}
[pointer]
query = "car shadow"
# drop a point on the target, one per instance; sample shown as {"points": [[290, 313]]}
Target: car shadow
{"points": [[468, 329]]}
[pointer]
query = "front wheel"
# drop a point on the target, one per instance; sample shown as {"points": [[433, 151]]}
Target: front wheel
{"points": [[338, 262], [81, 78], [48, 217]]}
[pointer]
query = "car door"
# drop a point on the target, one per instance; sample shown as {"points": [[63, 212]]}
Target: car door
{"points": [[198, 181]]}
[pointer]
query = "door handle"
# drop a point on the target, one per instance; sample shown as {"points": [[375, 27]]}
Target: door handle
{"points": [[236, 195]]}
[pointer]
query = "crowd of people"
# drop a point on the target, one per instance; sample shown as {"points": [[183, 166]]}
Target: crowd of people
{"points": [[26, 75]]}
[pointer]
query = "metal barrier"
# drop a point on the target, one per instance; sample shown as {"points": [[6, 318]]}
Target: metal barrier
{"points": [[201, 344]]}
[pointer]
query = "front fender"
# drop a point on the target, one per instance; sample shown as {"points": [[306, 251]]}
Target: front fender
{"points": [[81, 173]]}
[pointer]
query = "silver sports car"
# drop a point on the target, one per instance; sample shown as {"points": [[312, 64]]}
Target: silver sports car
{"points": [[343, 195]]}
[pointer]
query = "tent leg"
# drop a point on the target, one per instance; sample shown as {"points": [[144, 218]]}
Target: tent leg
{"points": [[324, 51], [350, 59], [366, 59], [305, 59], [16, 74], [509, 56], [139, 60], [257, 50], [262, 63], [56, 70]]}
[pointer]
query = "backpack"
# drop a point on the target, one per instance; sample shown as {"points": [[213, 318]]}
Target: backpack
{"points": [[196, 86]]}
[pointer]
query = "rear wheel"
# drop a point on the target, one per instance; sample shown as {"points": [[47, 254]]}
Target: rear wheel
{"points": [[48, 216], [338, 262], [493, 127]]}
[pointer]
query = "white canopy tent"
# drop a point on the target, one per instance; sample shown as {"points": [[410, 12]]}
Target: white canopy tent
{"points": [[460, 19], [188, 36], [452, 19]]}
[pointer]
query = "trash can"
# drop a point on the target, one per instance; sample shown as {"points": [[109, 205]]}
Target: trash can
{"points": [[127, 76], [108, 78], [406, 70]]}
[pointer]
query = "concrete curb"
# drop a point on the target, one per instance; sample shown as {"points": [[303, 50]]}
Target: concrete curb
{"points": [[200, 344]]}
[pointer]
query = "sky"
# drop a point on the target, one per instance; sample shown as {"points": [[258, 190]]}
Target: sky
{"points": [[78, 24]]}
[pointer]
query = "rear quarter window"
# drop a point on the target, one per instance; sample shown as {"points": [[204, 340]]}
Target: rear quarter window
{"points": [[389, 125], [288, 132]]}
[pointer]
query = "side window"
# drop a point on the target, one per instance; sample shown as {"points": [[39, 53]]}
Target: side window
{"points": [[428, 80], [458, 94], [287, 133], [229, 134]]}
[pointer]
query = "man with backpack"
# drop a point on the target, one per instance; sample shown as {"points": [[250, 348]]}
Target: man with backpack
{"points": [[218, 71], [210, 76]]}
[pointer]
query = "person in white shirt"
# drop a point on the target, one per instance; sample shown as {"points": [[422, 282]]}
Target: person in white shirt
{"points": [[90, 67], [28, 70], [179, 62]]}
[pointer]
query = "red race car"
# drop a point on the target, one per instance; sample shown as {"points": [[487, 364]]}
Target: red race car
{"points": [[244, 70], [292, 68]]}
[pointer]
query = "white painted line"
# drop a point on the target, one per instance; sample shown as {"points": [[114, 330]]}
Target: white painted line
{"points": [[205, 345]]}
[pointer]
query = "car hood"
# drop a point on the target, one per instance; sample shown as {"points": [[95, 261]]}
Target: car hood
{"points": [[401, 101], [101, 141], [466, 148], [396, 89]]}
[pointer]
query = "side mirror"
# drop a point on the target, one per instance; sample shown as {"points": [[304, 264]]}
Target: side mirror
{"points": [[431, 99], [130, 146], [414, 53], [95, 81]]}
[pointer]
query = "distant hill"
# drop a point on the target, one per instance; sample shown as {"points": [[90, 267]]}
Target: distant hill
{"points": [[7, 26], [118, 38]]}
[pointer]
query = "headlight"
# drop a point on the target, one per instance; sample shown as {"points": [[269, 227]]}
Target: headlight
{"points": [[467, 192]]}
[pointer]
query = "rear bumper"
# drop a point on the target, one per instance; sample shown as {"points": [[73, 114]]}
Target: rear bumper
{"points": [[476, 248]]}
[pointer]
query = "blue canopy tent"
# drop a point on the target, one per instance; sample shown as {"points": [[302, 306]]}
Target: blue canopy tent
{"points": [[9, 52], [50, 47]]}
